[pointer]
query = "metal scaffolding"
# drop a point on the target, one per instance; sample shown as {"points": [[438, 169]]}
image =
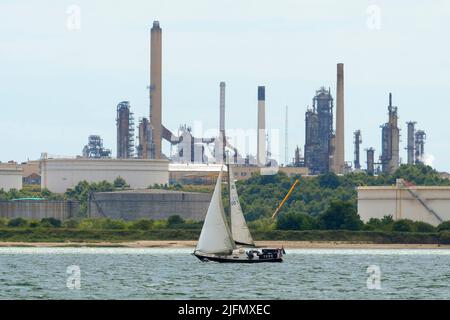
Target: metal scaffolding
{"points": [[94, 149]]}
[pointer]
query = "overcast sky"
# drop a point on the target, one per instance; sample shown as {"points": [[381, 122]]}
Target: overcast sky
{"points": [[61, 77]]}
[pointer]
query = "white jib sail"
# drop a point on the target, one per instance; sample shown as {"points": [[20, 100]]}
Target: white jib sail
{"points": [[239, 228], [215, 236]]}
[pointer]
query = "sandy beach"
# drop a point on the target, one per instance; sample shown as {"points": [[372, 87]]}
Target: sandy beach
{"points": [[191, 244]]}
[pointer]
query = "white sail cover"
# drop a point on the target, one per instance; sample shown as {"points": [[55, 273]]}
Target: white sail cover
{"points": [[216, 236], [239, 229]]}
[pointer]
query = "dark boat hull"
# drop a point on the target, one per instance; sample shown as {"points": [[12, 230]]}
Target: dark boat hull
{"points": [[274, 255]]}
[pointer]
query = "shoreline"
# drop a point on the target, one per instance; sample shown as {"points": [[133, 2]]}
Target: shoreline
{"points": [[190, 244]]}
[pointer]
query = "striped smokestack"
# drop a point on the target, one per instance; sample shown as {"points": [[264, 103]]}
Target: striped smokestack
{"points": [[339, 159], [155, 88], [261, 136], [222, 108]]}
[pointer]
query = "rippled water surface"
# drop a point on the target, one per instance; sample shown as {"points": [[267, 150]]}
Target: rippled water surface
{"points": [[117, 273]]}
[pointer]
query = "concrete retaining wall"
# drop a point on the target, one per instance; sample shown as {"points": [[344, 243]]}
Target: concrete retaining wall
{"points": [[38, 209], [149, 204]]}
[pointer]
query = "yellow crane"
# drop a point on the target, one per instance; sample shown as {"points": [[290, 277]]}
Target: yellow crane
{"points": [[285, 199]]}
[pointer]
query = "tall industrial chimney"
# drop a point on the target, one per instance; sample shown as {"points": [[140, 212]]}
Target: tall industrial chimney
{"points": [[339, 159], [261, 135], [155, 88], [222, 138]]}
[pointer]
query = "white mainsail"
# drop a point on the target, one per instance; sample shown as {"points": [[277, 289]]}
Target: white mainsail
{"points": [[239, 229], [215, 236]]}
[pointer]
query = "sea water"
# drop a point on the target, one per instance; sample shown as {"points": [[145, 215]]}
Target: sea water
{"points": [[148, 273]]}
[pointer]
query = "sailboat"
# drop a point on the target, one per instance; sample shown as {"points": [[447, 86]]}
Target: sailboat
{"points": [[218, 243]]}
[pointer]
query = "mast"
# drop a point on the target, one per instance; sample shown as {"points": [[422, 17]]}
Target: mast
{"points": [[229, 191], [227, 164]]}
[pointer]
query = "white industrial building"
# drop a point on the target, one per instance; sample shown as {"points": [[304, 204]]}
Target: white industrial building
{"points": [[10, 176], [430, 204], [58, 175]]}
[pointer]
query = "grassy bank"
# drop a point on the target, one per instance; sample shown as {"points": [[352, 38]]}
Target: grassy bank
{"points": [[76, 235]]}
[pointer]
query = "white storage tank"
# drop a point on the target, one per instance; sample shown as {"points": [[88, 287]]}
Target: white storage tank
{"points": [[10, 176], [430, 204], [58, 175]]}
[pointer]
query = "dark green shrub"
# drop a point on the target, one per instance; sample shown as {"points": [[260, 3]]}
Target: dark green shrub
{"points": [[444, 226], [50, 223], [420, 226], [142, 224], [83, 190], [34, 224], [444, 237], [188, 225], [71, 223], [3, 222], [329, 180], [109, 224], [175, 220], [256, 212], [340, 215], [295, 221], [387, 220], [403, 225], [120, 183], [383, 224], [17, 223]]}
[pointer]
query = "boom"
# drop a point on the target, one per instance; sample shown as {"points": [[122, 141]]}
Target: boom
{"points": [[285, 199]]}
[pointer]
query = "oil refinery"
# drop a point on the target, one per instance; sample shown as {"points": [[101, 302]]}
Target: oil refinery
{"points": [[323, 145], [193, 159]]}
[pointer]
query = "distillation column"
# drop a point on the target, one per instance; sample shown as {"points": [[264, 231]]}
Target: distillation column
{"points": [[410, 143], [358, 141]]}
